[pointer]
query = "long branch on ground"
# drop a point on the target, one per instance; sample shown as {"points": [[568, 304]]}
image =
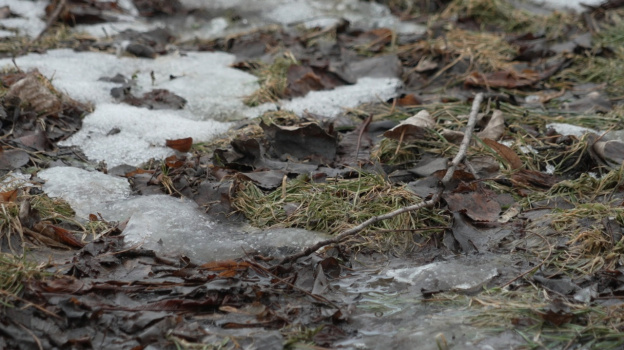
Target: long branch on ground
{"points": [[434, 199]]}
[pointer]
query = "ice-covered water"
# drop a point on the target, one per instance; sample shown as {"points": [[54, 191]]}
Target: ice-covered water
{"points": [[445, 276], [392, 312]]}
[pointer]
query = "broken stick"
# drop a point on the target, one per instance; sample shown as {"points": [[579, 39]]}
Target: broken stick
{"points": [[461, 153]]}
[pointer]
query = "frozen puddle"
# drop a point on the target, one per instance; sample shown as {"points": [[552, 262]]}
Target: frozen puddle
{"points": [[165, 224], [392, 313]]}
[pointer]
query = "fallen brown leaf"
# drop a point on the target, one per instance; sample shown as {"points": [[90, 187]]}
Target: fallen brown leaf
{"points": [[182, 145], [412, 128], [506, 153]]}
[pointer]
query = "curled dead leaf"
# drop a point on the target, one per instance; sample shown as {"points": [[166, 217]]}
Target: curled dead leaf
{"points": [[494, 128], [611, 152], [533, 178], [138, 171], [225, 265], [425, 64], [476, 205], [407, 100], [58, 234], [453, 136], [182, 145], [412, 128], [506, 153]]}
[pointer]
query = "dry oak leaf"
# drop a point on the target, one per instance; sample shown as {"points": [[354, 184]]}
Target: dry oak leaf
{"points": [[412, 128], [478, 206]]}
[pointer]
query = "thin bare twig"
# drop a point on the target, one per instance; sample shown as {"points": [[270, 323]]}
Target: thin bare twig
{"points": [[53, 18], [431, 202], [32, 335]]}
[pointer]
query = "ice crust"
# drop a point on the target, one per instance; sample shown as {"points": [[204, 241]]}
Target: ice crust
{"points": [[445, 276], [165, 224], [85, 191], [142, 134]]}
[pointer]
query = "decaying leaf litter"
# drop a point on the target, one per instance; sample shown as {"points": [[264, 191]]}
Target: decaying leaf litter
{"points": [[528, 188]]}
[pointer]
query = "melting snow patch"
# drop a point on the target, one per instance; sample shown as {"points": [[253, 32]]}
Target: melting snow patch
{"points": [[570, 4], [141, 133], [12, 181], [30, 22], [330, 103], [165, 224], [213, 91], [318, 13]]}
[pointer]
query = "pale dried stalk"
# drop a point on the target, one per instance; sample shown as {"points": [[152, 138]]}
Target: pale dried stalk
{"points": [[461, 153]]}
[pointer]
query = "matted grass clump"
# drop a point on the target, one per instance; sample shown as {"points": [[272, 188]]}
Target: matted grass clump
{"points": [[579, 243], [272, 79], [58, 36], [339, 204], [545, 321], [14, 270]]}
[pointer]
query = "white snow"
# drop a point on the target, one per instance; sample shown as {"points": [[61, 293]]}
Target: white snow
{"points": [[330, 103], [14, 180], [30, 21], [142, 133], [569, 129], [321, 13], [570, 4], [213, 90]]}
